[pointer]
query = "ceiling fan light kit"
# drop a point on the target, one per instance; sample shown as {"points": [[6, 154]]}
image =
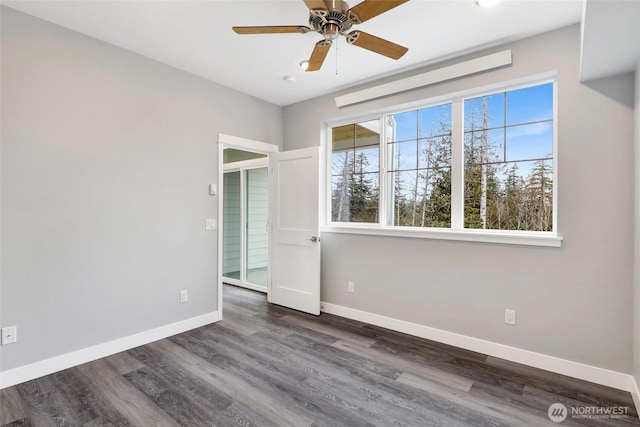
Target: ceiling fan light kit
{"points": [[333, 18]]}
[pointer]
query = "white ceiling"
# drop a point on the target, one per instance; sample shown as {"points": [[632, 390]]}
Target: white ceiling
{"points": [[196, 36]]}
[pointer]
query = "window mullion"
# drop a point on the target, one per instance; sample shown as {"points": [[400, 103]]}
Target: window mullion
{"points": [[457, 165], [382, 179]]}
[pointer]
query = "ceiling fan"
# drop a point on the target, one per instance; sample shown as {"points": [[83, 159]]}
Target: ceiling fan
{"points": [[332, 18]]}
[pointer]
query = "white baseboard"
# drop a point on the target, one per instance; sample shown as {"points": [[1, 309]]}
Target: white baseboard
{"points": [[65, 361], [537, 360]]}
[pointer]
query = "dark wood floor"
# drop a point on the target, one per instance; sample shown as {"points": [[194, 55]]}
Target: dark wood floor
{"points": [[269, 366]]}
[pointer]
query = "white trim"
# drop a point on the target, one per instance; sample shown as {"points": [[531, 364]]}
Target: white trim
{"points": [[246, 144], [461, 69], [468, 235], [262, 162], [88, 354], [220, 205], [578, 370]]}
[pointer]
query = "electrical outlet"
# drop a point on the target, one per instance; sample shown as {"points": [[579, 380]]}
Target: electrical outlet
{"points": [[509, 316], [184, 296], [9, 335], [351, 287]]}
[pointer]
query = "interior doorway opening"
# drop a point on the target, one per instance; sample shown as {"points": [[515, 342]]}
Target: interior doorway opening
{"points": [[245, 260]]}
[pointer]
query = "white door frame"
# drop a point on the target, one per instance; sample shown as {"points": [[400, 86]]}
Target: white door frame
{"points": [[244, 144]]}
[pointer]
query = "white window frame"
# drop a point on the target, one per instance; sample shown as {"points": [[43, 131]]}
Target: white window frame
{"points": [[457, 231]]}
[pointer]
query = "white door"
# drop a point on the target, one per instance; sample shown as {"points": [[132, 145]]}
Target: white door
{"points": [[295, 240]]}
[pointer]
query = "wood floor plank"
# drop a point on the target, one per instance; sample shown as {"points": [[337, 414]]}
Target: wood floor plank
{"points": [[174, 401], [128, 400], [44, 404], [19, 423], [87, 405], [123, 363], [196, 387], [11, 407], [241, 387], [314, 325], [408, 367], [238, 327]]}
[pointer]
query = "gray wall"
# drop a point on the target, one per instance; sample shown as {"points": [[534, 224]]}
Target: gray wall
{"points": [[636, 332], [106, 161], [574, 302]]}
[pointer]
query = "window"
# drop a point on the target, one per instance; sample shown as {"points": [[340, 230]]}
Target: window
{"points": [[508, 160], [397, 171], [419, 167], [355, 176]]}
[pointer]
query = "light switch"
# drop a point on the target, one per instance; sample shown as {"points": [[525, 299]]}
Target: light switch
{"points": [[210, 224], [9, 335], [213, 189]]}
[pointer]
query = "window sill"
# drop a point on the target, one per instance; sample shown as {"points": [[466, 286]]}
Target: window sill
{"points": [[481, 236]]}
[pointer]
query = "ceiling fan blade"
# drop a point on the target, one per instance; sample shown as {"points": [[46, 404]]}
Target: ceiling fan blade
{"points": [[315, 4], [371, 8], [376, 44], [318, 55], [272, 29]]}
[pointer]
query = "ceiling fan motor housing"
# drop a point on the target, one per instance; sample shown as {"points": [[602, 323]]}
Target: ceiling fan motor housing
{"points": [[332, 21]]}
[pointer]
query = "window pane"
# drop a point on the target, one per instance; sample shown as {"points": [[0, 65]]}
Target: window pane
{"points": [[403, 155], [530, 104], [343, 137], [484, 146], [435, 152], [421, 198], [355, 165], [484, 112], [533, 141], [367, 134], [367, 160], [523, 197], [508, 182], [342, 162], [435, 121], [355, 199], [405, 126]]}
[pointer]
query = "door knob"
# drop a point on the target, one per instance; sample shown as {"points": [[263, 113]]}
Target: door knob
{"points": [[314, 239]]}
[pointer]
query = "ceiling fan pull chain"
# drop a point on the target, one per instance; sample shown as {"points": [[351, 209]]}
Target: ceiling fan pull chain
{"points": [[336, 57]]}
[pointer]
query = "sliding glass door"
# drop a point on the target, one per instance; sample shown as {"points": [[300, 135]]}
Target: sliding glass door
{"points": [[257, 242], [245, 221]]}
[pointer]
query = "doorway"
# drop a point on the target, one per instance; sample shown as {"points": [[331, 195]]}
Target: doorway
{"points": [[292, 229], [245, 260]]}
